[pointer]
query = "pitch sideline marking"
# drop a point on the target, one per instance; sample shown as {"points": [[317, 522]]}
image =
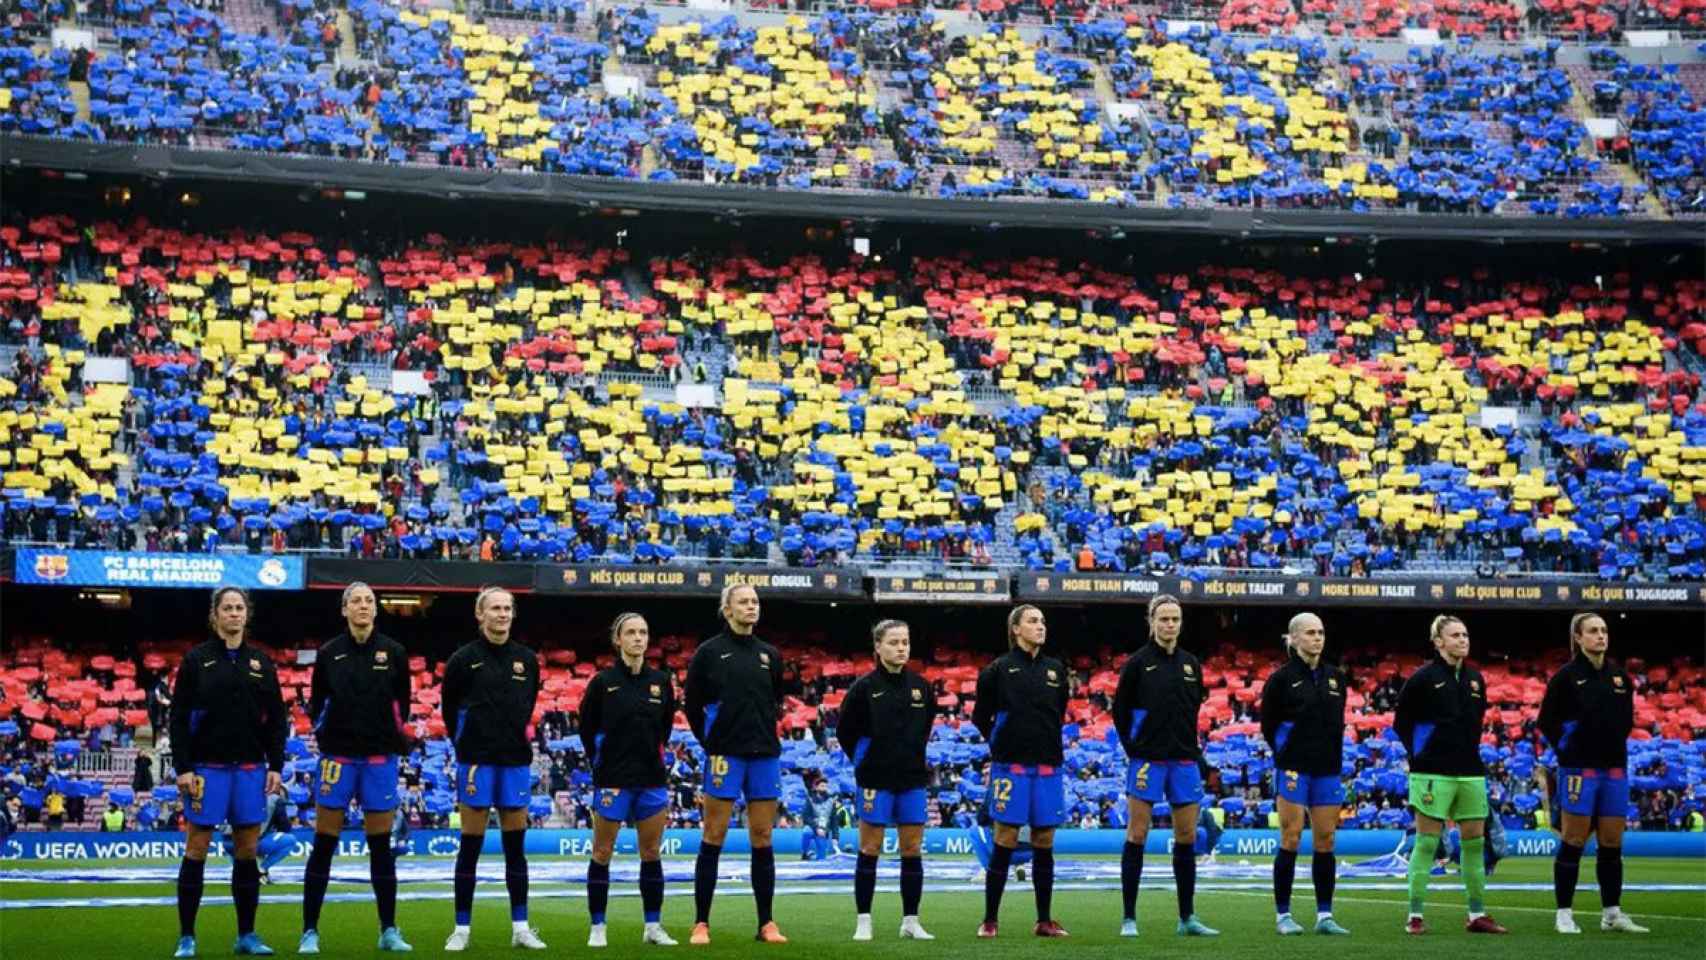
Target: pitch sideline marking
{"points": [[1502, 909], [1235, 889]]}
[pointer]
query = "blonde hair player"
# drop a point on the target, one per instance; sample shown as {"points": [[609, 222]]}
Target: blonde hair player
{"points": [[490, 687], [1587, 714], [1303, 720], [733, 698], [1440, 719]]}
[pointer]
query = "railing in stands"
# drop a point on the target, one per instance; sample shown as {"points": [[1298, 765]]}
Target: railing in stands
{"points": [[116, 760]]}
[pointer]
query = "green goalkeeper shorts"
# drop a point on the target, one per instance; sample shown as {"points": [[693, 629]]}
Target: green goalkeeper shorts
{"points": [[1449, 798]]}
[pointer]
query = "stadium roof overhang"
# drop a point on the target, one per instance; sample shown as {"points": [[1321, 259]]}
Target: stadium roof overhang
{"points": [[457, 184]]}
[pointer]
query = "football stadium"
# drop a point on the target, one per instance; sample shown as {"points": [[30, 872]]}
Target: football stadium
{"points": [[893, 478]]}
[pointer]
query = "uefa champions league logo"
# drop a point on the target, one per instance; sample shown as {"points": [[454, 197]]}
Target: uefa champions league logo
{"points": [[441, 846], [12, 851]]}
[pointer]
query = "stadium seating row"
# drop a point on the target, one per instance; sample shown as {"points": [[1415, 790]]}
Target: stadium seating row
{"points": [[1052, 414], [857, 102]]}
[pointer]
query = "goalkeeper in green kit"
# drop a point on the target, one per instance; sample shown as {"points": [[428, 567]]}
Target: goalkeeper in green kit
{"points": [[1439, 718]]}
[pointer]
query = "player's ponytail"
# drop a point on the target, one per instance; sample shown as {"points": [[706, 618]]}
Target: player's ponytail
{"points": [[485, 592], [1437, 628], [1294, 627], [1013, 617], [883, 627], [1578, 623], [622, 620], [1156, 603], [724, 603]]}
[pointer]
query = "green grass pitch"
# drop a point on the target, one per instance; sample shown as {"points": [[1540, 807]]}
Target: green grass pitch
{"points": [[820, 925]]}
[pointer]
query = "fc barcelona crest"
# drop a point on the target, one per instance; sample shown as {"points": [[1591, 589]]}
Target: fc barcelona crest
{"points": [[657, 690], [764, 658], [518, 668], [254, 663], [917, 695], [52, 566], [380, 656]]}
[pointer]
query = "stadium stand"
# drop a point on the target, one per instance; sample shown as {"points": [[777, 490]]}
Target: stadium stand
{"points": [[850, 100], [1476, 19], [1030, 412], [63, 712]]}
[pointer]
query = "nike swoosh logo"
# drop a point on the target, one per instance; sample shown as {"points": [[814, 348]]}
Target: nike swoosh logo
{"points": [[1012, 669], [1151, 667], [727, 655], [477, 666], [1580, 682], [210, 663], [1439, 684], [340, 656], [611, 689], [875, 696], [1298, 683]]}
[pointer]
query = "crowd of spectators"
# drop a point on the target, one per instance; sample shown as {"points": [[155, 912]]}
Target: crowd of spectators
{"points": [[435, 398], [852, 100]]}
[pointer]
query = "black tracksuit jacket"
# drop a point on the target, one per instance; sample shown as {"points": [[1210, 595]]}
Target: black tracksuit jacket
{"points": [[227, 708], [885, 728], [626, 718], [488, 697], [359, 697]]}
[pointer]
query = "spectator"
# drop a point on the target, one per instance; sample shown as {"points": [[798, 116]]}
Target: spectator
{"points": [[54, 808], [142, 780]]}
